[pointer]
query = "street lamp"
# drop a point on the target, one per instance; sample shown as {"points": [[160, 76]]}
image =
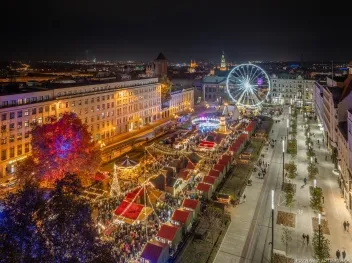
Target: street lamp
{"points": [[272, 223], [319, 229], [283, 161], [288, 125]]}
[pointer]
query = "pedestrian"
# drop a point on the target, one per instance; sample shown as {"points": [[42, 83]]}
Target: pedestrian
{"points": [[305, 181], [343, 254], [307, 239], [338, 254], [348, 226], [244, 198], [326, 157], [322, 197], [304, 238], [344, 225]]}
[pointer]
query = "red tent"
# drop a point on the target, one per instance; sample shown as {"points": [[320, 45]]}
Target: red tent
{"points": [[133, 196], [129, 210]]}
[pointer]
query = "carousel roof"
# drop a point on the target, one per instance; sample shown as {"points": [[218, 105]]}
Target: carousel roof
{"points": [[127, 163]]}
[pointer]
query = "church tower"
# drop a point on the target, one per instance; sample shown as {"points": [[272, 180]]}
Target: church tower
{"points": [[160, 66], [223, 62]]}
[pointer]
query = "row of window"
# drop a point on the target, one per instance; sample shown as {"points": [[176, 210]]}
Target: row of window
{"points": [[7, 103], [10, 153], [19, 114]]}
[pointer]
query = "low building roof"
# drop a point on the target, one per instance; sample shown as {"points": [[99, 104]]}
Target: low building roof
{"points": [[209, 179], [168, 231], [153, 250], [190, 203], [180, 215], [204, 187]]}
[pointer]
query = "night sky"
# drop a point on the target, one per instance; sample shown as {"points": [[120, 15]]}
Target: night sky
{"points": [[182, 30]]}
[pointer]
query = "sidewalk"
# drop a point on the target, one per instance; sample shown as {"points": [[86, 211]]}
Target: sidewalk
{"points": [[235, 239], [334, 206]]}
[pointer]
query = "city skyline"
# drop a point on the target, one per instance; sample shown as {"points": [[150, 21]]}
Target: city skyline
{"points": [[251, 31]]}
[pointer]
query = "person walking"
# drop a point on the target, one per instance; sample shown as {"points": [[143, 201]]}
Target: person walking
{"points": [[322, 198], [344, 225], [304, 238], [348, 226], [338, 254], [326, 157], [307, 239], [343, 254], [305, 181], [244, 198]]}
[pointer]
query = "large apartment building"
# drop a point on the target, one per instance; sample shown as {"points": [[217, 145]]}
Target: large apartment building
{"points": [[288, 89], [108, 109], [333, 106]]}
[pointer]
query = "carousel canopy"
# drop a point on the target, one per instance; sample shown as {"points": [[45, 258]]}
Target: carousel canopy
{"points": [[127, 163]]}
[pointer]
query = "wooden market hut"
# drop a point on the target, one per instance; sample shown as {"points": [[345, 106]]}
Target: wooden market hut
{"points": [[155, 252], [192, 205], [213, 181], [170, 234], [205, 190], [221, 168], [182, 217]]}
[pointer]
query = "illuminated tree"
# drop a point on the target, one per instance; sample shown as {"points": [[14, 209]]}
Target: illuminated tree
{"points": [[166, 85], [65, 146]]}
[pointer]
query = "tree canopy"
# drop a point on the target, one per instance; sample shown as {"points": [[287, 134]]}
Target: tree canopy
{"points": [[55, 226], [63, 146]]}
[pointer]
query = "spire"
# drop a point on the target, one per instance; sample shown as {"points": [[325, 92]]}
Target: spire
{"points": [[223, 61]]}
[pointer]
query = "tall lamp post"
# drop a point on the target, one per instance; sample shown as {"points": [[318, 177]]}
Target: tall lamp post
{"points": [[283, 161], [288, 125], [319, 230], [272, 223]]}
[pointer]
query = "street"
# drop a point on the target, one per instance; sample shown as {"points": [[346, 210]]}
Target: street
{"points": [[249, 236]]}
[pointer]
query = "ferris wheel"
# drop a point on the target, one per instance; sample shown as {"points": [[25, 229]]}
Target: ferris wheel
{"points": [[248, 85]]}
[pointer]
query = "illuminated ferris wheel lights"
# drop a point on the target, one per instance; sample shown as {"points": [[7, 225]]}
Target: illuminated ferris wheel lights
{"points": [[248, 85]]}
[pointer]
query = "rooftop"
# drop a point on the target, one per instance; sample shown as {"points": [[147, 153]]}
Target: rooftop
{"points": [[180, 215], [214, 79], [161, 57], [190, 203], [168, 231], [18, 88], [153, 250]]}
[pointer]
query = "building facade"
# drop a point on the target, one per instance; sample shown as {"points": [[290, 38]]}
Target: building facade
{"points": [[292, 89], [108, 109], [333, 106]]}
